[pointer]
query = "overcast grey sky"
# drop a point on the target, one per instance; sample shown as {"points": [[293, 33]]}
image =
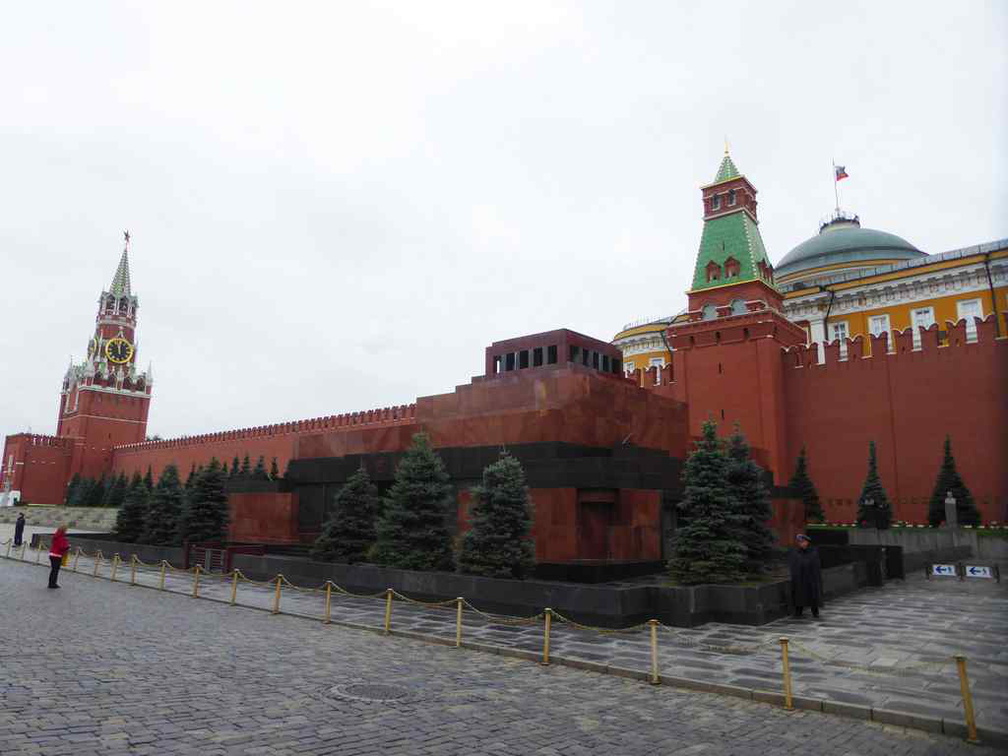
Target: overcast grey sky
{"points": [[337, 206]]}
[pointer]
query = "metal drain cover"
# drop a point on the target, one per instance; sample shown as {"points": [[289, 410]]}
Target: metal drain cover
{"points": [[364, 691]]}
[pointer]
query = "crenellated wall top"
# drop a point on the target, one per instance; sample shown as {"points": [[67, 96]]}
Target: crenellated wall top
{"points": [[404, 413]]}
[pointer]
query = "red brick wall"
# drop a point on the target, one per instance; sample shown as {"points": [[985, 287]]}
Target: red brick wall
{"points": [[906, 402], [788, 520], [731, 370], [101, 421], [37, 466], [268, 441]]}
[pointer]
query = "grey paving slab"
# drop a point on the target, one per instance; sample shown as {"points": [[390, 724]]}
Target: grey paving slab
{"points": [[902, 631]]}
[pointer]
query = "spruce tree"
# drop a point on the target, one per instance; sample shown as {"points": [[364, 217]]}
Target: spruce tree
{"points": [[191, 477], [274, 471], [877, 514], [949, 480], [246, 468], [498, 542], [82, 492], [96, 493], [706, 548], [234, 467], [149, 479], [132, 516], [803, 486], [164, 508], [116, 492], [71, 491], [349, 530], [205, 512], [750, 501], [412, 531], [259, 472]]}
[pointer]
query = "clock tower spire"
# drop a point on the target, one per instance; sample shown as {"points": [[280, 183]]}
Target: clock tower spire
{"points": [[104, 399]]}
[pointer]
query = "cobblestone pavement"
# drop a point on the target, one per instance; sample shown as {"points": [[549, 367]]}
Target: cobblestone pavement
{"points": [[886, 647], [104, 668]]}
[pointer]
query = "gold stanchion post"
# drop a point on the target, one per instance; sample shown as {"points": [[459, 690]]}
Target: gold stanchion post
{"points": [[115, 567], [133, 564], [38, 553], [328, 601], [458, 622], [276, 596], [234, 587], [76, 557], [388, 610], [195, 582], [786, 665], [23, 547], [97, 562], [655, 678], [164, 564], [9, 547], [547, 624], [967, 697]]}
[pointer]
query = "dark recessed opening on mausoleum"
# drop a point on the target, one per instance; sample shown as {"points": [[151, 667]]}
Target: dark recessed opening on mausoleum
{"points": [[523, 361], [537, 357]]}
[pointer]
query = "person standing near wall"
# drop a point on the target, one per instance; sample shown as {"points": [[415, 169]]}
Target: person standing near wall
{"points": [[60, 546], [19, 524], [806, 576]]}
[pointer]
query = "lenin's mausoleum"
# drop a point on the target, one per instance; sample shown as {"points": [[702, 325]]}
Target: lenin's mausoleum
{"points": [[856, 336]]}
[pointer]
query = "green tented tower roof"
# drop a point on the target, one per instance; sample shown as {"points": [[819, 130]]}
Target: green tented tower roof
{"points": [[121, 280], [727, 170], [730, 231]]}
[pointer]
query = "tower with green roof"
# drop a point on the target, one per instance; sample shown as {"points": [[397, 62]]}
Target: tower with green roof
{"points": [[727, 351], [732, 267]]}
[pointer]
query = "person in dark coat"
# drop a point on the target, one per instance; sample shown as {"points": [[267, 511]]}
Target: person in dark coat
{"points": [[19, 524], [59, 546], [806, 577]]}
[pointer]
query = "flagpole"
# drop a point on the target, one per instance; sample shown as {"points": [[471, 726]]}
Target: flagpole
{"points": [[836, 189]]}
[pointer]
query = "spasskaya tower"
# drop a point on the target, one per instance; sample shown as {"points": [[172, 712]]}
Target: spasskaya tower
{"points": [[104, 400]]}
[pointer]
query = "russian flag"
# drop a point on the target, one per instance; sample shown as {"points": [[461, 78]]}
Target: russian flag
{"points": [[841, 172]]}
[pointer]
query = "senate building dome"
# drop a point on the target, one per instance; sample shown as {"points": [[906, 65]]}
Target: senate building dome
{"points": [[841, 248]]}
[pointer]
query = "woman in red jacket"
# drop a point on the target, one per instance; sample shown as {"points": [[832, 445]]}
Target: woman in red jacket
{"points": [[60, 546]]}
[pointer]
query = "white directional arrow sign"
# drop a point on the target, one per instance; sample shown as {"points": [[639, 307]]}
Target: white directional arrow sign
{"points": [[978, 572], [943, 569]]}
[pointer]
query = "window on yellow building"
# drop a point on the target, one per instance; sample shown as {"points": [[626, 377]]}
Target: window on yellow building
{"points": [[922, 317], [968, 309], [878, 324], [840, 333]]}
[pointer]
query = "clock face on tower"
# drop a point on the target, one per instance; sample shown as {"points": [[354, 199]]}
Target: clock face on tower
{"points": [[118, 350]]}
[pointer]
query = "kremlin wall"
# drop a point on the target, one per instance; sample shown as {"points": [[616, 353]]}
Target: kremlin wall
{"points": [[602, 440]]}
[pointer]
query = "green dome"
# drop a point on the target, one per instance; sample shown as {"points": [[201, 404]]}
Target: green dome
{"points": [[842, 240]]}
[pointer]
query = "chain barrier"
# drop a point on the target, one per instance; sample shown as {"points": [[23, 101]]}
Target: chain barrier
{"points": [[432, 604], [345, 592], [501, 619], [547, 616], [600, 630]]}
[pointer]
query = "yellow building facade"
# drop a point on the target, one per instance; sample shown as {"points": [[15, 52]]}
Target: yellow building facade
{"points": [[849, 281]]}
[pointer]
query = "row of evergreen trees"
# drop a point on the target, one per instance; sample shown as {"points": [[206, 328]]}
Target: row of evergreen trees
{"points": [[874, 509], [410, 526], [110, 491], [171, 512]]}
